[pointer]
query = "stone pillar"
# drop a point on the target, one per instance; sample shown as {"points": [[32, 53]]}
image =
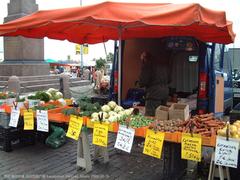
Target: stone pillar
{"points": [[14, 84], [23, 56], [64, 85]]}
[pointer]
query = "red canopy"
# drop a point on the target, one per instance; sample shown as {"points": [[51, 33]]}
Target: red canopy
{"points": [[109, 20]]}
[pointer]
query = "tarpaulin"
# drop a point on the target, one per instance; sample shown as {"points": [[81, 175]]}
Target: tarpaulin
{"points": [[109, 20]]}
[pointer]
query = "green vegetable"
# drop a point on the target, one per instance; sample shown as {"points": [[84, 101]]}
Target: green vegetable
{"points": [[70, 111], [20, 99], [3, 95], [86, 107], [32, 97], [11, 95], [48, 107], [43, 96], [137, 121]]}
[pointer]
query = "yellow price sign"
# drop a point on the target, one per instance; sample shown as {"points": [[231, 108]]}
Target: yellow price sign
{"points": [[153, 143], [75, 126], [100, 134], [28, 120], [191, 147]]}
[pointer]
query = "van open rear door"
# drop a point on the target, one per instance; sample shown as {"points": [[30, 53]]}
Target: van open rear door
{"points": [[220, 91]]}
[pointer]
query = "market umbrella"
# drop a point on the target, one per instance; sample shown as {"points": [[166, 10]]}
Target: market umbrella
{"points": [[50, 61], [119, 21]]}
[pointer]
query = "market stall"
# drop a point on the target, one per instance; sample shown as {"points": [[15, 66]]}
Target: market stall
{"points": [[171, 125], [121, 21]]}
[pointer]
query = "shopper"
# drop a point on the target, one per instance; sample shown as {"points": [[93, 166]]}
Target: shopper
{"points": [[86, 74], [155, 77], [94, 76], [98, 78]]}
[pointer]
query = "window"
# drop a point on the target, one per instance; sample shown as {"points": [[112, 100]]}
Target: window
{"points": [[217, 56]]}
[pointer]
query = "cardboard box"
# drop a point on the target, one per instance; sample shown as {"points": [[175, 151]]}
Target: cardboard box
{"points": [[179, 111], [161, 113]]}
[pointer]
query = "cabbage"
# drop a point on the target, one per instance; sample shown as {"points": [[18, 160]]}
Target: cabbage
{"points": [[118, 109], [128, 112], [112, 104], [112, 113], [52, 90], [112, 118], [59, 95], [62, 101], [106, 108], [105, 115], [49, 94], [122, 113], [94, 116], [118, 117]]}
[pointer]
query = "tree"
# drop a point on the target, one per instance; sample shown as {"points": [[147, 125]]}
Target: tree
{"points": [[100, 63], [110, 57]]}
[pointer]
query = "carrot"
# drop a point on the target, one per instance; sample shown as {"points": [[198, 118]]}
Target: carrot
{"points": [[196, 124], [207, 119], [213, 132], [188, 124], [206, 115], [201, 130], [207, 133], [183, 129], [212, 125], [211, 121]]}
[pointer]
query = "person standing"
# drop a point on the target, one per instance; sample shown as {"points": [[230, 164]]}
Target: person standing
{"points": [[155, 78], [98, 78], [94, 76]]}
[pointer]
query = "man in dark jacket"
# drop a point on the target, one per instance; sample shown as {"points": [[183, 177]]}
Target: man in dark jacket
{"points": [[155, 77]]}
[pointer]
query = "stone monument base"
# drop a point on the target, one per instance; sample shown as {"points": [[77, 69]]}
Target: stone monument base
{"points": [[18, 69]]}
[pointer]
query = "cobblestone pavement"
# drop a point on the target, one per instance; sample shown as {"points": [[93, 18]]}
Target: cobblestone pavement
{"points": [[39, 161]]}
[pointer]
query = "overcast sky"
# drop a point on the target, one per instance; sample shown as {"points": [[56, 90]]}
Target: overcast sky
{"points": [[54, 48]]}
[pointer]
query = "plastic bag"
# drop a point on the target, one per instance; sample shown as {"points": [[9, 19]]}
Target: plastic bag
{"points": [[57, 137]]}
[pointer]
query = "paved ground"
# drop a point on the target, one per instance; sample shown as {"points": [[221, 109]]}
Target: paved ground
{"points": [[39, 162]]}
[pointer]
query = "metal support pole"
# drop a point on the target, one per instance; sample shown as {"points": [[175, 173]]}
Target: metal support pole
{"points": [[81, 49], [119, 66]]}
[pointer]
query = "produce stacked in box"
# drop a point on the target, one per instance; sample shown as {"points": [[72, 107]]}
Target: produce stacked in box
{"points": [[111, 113], [205, 125], [233, 130], [136, 121], [86, 107], [167, 126], [47, 107]]}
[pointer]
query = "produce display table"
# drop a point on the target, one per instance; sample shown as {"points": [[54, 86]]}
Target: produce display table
{"points": [[171, 150]]}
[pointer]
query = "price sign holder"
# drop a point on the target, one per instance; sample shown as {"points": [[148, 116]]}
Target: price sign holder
{"points": [[42, 120], [15, 113], [124, 139], [83, 152], [153, 143], [28, 120], [100, 134], [100, 139], [75, 126], [191, 147], [212, 168]]}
